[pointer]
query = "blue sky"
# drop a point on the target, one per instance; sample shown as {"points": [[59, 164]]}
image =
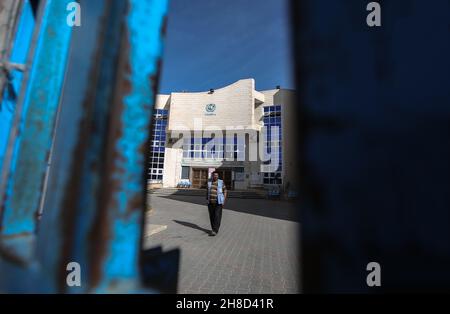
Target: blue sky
{"points": [[212, 43]]}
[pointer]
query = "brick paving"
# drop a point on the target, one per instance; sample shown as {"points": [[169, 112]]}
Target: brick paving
{"points": [[256, 250]]}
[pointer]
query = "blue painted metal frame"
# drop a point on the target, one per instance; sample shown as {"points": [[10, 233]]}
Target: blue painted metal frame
{"points": [[34, 132], [93, 212], [33, 126], [128, 203], [19, 53], [61, 217], [29, 145]]}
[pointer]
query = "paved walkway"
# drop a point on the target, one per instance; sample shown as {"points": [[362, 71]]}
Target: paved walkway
{"points": [[254, 252]]}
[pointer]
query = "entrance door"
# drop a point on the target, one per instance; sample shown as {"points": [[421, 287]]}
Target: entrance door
{"points": [[226, 176], [199, 178]]}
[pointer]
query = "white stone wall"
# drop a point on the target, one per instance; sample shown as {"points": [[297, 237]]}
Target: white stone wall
{"points": [[234, 107], [286, 98], [172, 167], [162, 101]]}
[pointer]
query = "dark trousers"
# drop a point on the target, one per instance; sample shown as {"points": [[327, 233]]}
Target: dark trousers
{"points": [[215, 216]]}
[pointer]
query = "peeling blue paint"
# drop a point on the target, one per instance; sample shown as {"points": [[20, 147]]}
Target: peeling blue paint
{"points": [[146, 48], [144, 23], [32, 145], [32, 128], [19, 54], [104, 205]]}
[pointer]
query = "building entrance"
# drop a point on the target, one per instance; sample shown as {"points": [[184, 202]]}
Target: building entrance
{"points": [[199, 178], [226, 176]]}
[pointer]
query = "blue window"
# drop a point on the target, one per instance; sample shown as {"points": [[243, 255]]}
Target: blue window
{"points": [[157, 147], [208, 147], [272, 142]]}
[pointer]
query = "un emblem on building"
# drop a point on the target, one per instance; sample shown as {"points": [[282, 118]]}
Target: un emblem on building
{"points": [[210, 108]]}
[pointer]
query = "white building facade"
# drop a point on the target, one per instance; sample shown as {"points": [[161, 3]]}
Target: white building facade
{"points": [[248, 136]]}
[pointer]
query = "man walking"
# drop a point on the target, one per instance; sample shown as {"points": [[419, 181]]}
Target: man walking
{"points": [[216, 194]]}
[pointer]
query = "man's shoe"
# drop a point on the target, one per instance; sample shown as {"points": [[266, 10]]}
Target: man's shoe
{"points": [[212, 233]]}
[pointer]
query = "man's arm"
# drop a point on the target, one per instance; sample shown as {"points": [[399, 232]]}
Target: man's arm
{"points": [[225, 193]]}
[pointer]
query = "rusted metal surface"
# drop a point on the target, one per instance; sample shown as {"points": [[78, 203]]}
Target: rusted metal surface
{"points": [[73, 184], [42, 44], [95, 200], [31, 134], [100, 198], [123, 204]]}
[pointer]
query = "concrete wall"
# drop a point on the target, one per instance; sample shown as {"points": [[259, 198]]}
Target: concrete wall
{"points": [[234, 107], [172, 167], [162, 101], [289, 138]]}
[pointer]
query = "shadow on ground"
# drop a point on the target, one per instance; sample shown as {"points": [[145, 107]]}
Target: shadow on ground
{"points": [[191, 225], [286, 210]]}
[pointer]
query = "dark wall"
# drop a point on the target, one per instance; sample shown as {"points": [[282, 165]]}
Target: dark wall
{"points": [[375, 144]]}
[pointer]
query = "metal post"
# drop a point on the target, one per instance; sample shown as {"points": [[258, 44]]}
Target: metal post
{"points": [[30, 141], [97, 185]]}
